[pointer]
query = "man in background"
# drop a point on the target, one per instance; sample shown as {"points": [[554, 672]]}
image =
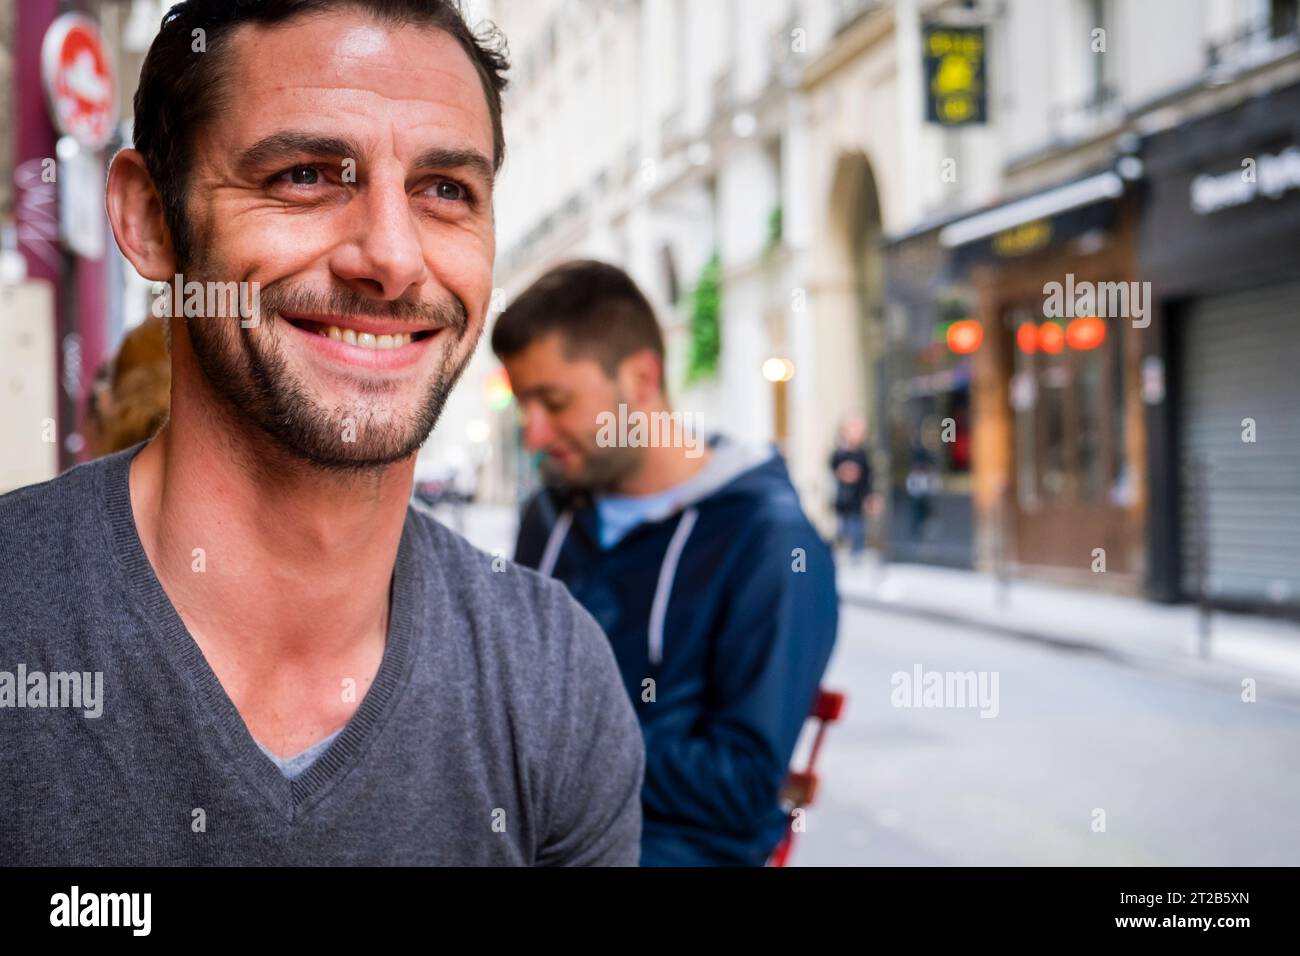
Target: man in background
{"points": [[715, 591], [132, 393], [852, 471]]}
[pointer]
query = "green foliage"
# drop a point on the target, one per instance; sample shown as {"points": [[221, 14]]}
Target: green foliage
{"points": [[775, 227], [706, 318]]}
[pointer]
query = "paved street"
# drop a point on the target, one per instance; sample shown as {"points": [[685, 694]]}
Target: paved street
{"points": [[1185, 771]]}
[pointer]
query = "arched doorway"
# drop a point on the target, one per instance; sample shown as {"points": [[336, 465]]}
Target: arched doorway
{"points": [[846, 306]]}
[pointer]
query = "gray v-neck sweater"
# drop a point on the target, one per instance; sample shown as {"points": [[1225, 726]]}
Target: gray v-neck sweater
{"points": [[496, 731]]}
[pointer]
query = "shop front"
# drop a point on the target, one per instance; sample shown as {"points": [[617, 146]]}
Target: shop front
{"points": [[1220, 242], [925, 405], [1058, 454]]}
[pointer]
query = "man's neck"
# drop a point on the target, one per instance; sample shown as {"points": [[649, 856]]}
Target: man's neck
{"points": [[662, 468], [265, 558]]}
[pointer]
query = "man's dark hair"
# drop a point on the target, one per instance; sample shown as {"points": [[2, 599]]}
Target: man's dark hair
{"points": [[595, 307], [181, 89]]}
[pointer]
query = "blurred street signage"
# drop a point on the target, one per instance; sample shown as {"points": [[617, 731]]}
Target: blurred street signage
{"points": [[1024, 226], [1023, 239], [934, 383], [78, 81], [1221, 201], [81, 200], [955, 93], [1270, 175]]}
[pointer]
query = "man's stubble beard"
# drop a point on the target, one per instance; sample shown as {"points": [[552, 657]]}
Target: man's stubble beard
{"points": [[603, 469], [249, 371]]}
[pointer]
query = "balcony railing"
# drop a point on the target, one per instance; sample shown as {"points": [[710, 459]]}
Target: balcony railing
{"points": [[1090, 115], [1260, 42]]}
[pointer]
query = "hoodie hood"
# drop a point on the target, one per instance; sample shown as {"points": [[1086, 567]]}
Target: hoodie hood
{"points": [[734, 468], [729, 462]]}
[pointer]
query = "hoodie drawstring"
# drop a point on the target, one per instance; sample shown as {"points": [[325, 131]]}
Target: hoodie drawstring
{"points": [[667, 571], [555, 542]]}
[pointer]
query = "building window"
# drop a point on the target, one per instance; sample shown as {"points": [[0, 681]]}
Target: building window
{"points": [[930, 407], [1067, 395], [1284, 18], [1089, 101]]}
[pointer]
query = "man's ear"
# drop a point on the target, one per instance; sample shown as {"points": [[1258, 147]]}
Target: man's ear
{"points": [[641, 374], [136, 215]]}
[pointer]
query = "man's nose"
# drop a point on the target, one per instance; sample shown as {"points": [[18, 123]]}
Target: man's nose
{"points": [[385, 256], [537, 429]]}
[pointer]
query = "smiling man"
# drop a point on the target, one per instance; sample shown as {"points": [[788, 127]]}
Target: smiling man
{"points": [[298, 666]]}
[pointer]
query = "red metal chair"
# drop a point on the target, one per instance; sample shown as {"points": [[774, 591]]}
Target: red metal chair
{"points": [[800, 788]]}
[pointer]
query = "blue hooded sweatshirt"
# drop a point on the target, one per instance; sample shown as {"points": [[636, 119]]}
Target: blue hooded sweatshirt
{"points": [[722, 614]]}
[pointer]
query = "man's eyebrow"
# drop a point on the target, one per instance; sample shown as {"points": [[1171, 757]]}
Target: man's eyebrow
{"points": [[449, 158], [289, 143], [541, 391]]}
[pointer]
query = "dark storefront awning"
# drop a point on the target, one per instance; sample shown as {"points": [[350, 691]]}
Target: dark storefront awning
{"points": [[1024, 226]]}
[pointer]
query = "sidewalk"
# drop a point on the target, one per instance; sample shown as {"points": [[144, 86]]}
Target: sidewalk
{"points": [[1076, 618]]}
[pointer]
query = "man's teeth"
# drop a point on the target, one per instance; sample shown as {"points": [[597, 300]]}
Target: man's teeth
{"points": [[365, 340]]}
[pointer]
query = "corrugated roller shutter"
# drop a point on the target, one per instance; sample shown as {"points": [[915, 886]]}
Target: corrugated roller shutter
{"points": [[1241, 500]]}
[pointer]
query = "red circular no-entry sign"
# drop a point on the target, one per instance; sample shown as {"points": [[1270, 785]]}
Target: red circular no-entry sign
{"points": [[78, 80]]}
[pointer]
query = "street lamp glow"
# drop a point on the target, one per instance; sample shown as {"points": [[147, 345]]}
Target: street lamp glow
{"points": [[778, 369]]}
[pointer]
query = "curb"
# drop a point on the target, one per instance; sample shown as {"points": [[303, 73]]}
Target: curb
{"points": [[1286, 689]]}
